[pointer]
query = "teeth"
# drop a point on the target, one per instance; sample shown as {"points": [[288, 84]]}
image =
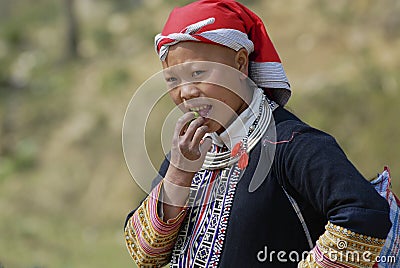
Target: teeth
{"points": [[196, 109]]}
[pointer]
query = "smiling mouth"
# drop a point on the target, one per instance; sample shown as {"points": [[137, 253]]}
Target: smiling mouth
{"points": [[203, 110]]}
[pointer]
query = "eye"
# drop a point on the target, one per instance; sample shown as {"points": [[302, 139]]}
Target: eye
{"points": [[171, 79], [197, 73]]}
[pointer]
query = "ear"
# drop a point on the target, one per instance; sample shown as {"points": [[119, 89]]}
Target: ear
{"points": [[242, 61]]}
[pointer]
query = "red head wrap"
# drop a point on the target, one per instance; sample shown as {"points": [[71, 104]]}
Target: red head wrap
{"points": [[233, 25]]}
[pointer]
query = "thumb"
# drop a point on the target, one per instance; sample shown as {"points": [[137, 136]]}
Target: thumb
{"points": [[205, 146]]}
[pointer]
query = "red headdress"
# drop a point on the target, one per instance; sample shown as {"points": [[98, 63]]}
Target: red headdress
{"points": [[228, 23]]}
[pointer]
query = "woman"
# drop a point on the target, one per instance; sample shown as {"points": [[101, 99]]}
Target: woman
{"points": [[211, 206]]}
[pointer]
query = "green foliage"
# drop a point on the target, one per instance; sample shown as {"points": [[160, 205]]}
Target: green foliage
{"points": [[185, 2], [249, 2], [117, 78], [126, 5], [178, 3]]}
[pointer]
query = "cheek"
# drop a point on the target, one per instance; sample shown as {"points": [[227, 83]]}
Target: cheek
{"points": [[229, 103], [175, 96], [234, 101]]}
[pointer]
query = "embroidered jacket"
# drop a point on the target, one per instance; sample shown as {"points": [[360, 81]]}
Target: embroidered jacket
{"points": [[239, 228]]}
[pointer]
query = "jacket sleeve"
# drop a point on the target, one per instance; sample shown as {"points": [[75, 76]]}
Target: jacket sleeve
{"points": [[313, 166], [149, 239]]}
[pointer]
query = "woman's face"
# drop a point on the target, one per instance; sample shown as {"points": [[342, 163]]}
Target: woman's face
{"points": [[208, 79]]}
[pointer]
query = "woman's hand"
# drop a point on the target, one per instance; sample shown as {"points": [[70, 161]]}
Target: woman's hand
{"points": [[187, 154], [187, 157]]}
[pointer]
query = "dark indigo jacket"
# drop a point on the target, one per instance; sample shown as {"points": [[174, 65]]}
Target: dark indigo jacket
{"points": [[314, 170]]}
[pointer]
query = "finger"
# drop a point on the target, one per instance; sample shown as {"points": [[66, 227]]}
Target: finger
{"points": [[186, 144], [198, 135], [189, 124], [193, 126], [182, 121], [205, 146]]}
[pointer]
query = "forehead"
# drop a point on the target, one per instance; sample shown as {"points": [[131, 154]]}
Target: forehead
{"points": [[185, 52]]}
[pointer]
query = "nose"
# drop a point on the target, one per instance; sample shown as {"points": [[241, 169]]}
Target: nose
{"points": [[189, 91]]}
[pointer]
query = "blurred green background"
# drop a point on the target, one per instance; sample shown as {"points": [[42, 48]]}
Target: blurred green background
{"points": [[69, 68]]}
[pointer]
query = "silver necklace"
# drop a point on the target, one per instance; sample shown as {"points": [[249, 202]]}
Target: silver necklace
{"points": [[256, 131]]}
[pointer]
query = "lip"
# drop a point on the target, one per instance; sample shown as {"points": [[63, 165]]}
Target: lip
{"points": [[203, 110]]}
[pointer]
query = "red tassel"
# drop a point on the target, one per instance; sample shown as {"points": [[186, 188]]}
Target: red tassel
{"points": [[236, 149], [243, 160]]}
